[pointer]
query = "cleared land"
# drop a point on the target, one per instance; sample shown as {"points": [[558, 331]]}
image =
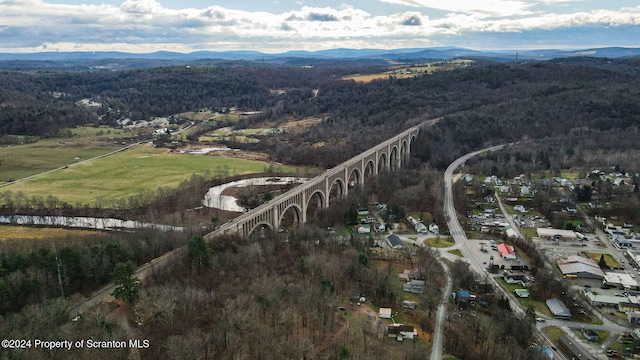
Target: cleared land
{"points": [[19, 161], [130, 172], [8, 232], [410, 71]]}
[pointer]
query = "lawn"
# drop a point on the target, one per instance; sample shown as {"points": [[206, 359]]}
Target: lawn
{"points": [[539, 306], [130, 172], [553, 333], [609, 260], [456, 252], [19, 161], [439, 242]]}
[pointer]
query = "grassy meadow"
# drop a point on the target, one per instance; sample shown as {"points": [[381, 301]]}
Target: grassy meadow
{"points": [[129, 172], [19, 161]]}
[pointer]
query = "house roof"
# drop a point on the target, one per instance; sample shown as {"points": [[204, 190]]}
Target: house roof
{"points": [[385, 312], [558, 308], [394, 240], [546, 232], [577, 265], [506, 250]]}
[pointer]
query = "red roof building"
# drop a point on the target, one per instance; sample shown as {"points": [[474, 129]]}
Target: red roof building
{"points": [[507, 251]]}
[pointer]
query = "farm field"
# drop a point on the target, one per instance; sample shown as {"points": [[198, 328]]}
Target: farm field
{"points": [[9, 232], [410, 71], [19, 161], [130, 172]]}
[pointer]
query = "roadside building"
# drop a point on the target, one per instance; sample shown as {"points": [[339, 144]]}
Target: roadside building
{"points": [[556, 234], [580, 267], [604, 300], [622, 280], [574, 349], [558, 308], [507, 252], [626, 307]]}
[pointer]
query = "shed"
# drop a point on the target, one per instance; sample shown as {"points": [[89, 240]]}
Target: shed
{"points": [[385, 313]]}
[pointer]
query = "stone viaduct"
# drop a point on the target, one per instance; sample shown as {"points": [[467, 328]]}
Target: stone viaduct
{"points": [[319, 191]]}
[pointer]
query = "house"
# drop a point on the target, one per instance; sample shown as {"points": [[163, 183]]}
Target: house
{"points": [[521, 293], [409, 304], [364, 229], [401, 331], [590, 335], [525, 190], [507, 252], [558, 309], [520, 208], [409, 274], [511, 278], [395, 242], [414, 286], [385, 313]]}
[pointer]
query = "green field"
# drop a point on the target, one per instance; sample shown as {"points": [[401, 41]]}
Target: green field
{"points": [[19, 161], [131, 172]]}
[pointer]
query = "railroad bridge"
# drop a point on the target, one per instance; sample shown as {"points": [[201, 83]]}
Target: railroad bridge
{"points": [[297, 204]]}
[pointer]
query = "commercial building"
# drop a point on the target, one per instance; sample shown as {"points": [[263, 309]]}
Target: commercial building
{"points": [[580, 267]]}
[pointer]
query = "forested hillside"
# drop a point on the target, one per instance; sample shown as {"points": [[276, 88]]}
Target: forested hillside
{"points": [[481, 104]]}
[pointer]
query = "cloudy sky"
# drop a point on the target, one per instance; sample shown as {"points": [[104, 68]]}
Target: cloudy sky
{"points": [[275, 26]]}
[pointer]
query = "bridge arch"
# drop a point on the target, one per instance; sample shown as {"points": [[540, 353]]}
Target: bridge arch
{"points": [[394, 159], [315, 201], [404, 153], [354, 179], [259, 227], [337, 189], [382, 163], [369, 169], [291, 217]]}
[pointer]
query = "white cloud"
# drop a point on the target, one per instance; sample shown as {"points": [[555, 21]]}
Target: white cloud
{"points": [[479, 7], [145, 25]]}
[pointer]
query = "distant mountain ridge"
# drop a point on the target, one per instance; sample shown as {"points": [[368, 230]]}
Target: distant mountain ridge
{"points": [[443, 53]]}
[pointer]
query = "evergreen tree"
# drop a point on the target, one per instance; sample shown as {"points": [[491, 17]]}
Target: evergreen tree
{"points": [[127, 286]]}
